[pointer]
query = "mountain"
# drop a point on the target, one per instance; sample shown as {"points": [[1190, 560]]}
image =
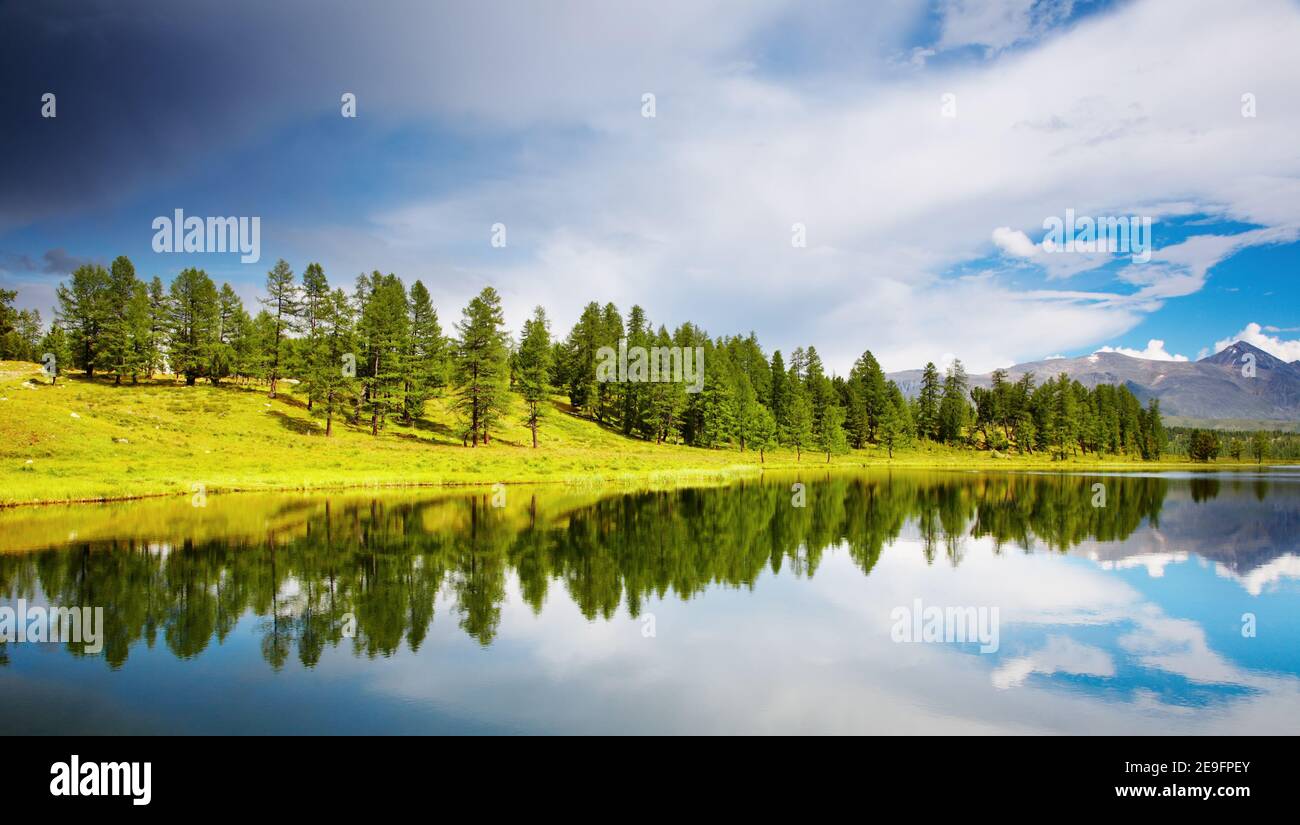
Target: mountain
{"points": [[1241, 353], [1239, 382]]}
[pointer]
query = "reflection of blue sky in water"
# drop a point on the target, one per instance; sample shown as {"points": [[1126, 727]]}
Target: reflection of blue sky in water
{"points": [[1141, 635], [1083, 649], [1086, 646]]}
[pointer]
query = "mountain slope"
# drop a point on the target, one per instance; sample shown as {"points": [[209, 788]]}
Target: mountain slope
{"points": [[1239, 382]]}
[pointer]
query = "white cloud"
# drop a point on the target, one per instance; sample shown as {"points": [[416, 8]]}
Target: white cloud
{"points": [[1155, 351], [1055, 263], [690, 213], [920, 55], [1015, 243], [1255, 335], [997, 24]]}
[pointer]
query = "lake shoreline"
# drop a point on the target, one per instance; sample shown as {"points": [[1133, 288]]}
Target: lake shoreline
{"points": [[91, 442], [668, 476]]}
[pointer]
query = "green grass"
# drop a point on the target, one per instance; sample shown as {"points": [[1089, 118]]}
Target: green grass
{"points": [[93, 441]]}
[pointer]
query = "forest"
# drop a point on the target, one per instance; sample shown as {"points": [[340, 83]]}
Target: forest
{"points": [[378, 353]]}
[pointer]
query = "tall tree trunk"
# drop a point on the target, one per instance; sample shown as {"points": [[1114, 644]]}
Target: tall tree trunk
{"points": [[473, 424]]}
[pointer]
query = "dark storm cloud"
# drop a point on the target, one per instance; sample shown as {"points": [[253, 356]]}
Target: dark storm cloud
{"points": [[148, 92], [54, 262], [144, 90]]}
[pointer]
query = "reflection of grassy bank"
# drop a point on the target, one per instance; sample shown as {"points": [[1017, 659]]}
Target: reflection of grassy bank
{"points": [[89, 442], [253, 519]]}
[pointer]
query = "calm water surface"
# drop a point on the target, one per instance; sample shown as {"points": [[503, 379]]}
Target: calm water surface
{"points": [[706, 610]]}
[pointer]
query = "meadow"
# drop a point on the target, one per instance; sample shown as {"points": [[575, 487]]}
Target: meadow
{"points": [[80, 440]]}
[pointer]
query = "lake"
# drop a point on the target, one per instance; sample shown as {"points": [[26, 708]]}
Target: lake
{"points": [[872, 602]]}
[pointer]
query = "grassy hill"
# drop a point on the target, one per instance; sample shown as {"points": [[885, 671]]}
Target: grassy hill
{"points": [[87, 441]]}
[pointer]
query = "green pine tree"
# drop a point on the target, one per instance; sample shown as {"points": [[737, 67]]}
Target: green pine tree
{"points": [[192, 323], [535, 368], [283, 302], [481, 366], [427, 366]]}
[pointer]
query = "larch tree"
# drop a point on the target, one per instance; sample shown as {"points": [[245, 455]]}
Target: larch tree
{"points": [[535, 368], [927, 414], [1259, 446], [954, 409], [762, 433], [118, 347], [778, 400], [331, 361], [314, 302], [384, 335], [608, 393], [1157, 436], [747, 410], [667, 399], [140, 338], [193, 322], [633, 402], [890, 429], [482, 369], [8, 315], [83, 313], [282, 302], [55, 343], [223, 360], [831, 438], [579, 364], [798, 431], [157, 326], [426, 369]]}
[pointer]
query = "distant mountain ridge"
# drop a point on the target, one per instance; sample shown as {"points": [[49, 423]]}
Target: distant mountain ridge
{"points": [[1220, 386]]}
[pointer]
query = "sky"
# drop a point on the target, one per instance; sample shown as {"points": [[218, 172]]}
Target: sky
{"points": [[920, 146]]}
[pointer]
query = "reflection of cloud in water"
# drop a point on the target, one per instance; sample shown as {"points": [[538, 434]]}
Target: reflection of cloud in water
{"points": [[1061, 654], [814, 655], [1178, 646], [1266, 576], [1153, 562], [1254, 542]]}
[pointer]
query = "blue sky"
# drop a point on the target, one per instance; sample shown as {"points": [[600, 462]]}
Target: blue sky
{"points": [[920, 227]]}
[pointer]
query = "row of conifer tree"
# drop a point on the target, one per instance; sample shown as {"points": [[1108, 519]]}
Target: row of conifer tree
{"points": [[377, 354]]}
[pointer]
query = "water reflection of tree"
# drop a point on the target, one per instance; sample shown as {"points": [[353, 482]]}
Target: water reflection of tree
{"points": [[385, 563], [1204, 489]]}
